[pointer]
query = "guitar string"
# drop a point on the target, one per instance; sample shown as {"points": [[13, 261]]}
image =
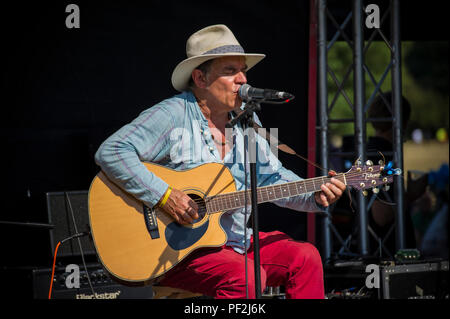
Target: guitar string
{"points": [[203, 208], [222, 199], [265, 191], [290, 186]]}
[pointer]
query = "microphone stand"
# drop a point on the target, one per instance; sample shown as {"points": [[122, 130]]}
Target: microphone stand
{"points": [[246, 119]]}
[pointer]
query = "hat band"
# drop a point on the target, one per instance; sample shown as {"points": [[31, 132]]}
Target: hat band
{"points": [[225, 49]]}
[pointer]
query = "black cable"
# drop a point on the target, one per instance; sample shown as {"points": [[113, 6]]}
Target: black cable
{"points": [[79, 244], [77, 235], [74, 236]]}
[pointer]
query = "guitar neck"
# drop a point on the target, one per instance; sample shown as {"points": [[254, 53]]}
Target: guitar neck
{"points": [[228, 201]]}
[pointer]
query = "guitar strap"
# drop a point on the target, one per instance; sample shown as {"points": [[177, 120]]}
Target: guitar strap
{"points": [[280, 145]]}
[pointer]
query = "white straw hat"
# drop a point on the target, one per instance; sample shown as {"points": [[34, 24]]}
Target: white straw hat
{"points": [[209, 43]]}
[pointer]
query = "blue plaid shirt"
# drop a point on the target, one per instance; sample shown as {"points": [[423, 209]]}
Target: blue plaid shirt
{"points": [[175, 133]]}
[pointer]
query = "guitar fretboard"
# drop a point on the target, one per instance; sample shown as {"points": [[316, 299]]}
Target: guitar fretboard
{"points": [[228, 201]]}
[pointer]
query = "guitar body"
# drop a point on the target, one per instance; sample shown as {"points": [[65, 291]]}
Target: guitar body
{"points": [[125, 246]]}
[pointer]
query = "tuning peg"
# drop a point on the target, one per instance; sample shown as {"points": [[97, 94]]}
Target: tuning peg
{"points": [[381, 162], [365, 193], [386, 188], [376, 190], [369, 163], [389, 165]]}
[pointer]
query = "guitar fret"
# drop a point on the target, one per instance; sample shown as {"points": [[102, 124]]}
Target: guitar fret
{"points": [[216, 203], [224, 201], [259, 196], [319, 182], [236, 200], [278, 192], [243, 198], [344, 180], [221, 203], [284, 191], [306, 184], [292, 189], [267, 193], [287, 191], [271, 193], [230, 201], [302, 187], [263, 192]]}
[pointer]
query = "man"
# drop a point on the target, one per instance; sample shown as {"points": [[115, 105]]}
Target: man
{"points": [[189, 129]]}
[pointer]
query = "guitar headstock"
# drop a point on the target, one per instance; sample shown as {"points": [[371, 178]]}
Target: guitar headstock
{"points": [[364, 176]]}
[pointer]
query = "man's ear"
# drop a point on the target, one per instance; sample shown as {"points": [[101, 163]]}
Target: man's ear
{"points": [[199, 78]]}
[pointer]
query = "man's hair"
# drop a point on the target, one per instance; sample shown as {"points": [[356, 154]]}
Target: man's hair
{"points": [[204, 67], [379, 109]]}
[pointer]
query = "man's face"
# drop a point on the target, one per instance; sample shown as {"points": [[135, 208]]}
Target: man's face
{"points": [[225, 77]]}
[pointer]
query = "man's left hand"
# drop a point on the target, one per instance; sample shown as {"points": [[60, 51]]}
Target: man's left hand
{"points": [[330, 192]]}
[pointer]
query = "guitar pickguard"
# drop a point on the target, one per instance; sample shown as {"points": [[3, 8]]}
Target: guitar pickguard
{"points": [[179, 237]]}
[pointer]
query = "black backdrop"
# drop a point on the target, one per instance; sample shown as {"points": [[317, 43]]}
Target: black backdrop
{"points": [[66, 90]]}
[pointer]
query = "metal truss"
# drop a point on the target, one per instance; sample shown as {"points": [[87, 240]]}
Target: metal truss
{"points": [[359, 45]]}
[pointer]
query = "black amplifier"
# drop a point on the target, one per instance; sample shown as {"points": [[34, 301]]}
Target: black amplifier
{"points": [[419, 280], [71, 282]]}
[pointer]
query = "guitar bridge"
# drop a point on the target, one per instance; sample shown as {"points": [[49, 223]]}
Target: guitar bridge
{"points": [[151, 222]]}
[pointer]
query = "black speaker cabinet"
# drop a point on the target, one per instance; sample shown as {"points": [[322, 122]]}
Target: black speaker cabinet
{"points": [[103, 287], [424, 280], [60, 206]]}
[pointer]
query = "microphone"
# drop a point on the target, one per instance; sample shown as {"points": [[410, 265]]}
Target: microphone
{"points": [[247, 92]]}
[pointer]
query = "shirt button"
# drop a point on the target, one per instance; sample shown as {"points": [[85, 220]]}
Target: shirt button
{"points": [[211, 148]]}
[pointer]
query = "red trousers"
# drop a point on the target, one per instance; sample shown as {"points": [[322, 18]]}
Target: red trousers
{"points": [[220, 272]]}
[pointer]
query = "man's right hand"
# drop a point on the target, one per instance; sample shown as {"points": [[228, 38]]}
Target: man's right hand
{"points": [[181, 207]]}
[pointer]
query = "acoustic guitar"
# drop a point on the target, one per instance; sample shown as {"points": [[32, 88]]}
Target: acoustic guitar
{"points": [[137, 244]]}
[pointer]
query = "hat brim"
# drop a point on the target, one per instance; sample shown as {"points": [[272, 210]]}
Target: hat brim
{"points": [[182, 72]]}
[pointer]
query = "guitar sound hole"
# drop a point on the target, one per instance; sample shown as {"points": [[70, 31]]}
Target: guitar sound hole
{"points": [[201, 207]]}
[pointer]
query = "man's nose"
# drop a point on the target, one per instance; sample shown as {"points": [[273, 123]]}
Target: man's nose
{"points": [[241, 78]]}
